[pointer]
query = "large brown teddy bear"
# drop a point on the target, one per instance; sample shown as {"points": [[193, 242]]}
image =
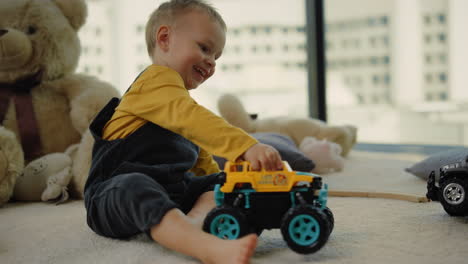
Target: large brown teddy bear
{"points": [[298, 129], [45, 108]]}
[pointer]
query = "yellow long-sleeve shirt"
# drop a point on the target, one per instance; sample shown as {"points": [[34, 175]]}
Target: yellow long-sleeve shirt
{"points": [[159, 96]]}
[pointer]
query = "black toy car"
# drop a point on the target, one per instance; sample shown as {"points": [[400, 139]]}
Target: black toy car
{"points": [[451, 188], [250, 201]]}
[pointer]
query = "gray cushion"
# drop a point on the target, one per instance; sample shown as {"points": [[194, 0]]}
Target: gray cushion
{"points": [[287, 149], [423, 168]]}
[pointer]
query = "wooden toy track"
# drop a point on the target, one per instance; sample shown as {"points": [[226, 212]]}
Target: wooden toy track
{"points": [[384, 195]]}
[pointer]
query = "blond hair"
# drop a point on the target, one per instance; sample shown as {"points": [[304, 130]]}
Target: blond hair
{"points": [[167, 13]]}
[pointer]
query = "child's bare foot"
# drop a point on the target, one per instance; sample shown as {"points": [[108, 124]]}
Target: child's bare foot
{"points": [[232, 251]]}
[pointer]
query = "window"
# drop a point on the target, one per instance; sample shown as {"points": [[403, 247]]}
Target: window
{"points": [[415, 79], [442, 77], [427, 19], [441, 18], [140, 29], [404, 59], [253, 30], [441, 37], [264, 62]]}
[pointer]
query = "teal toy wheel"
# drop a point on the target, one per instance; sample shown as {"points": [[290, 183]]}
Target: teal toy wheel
{"points": [[226, 222], [305, 229], [225, 226]]}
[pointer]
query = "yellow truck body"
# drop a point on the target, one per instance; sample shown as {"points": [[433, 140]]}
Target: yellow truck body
{"points": [[238, 173]]}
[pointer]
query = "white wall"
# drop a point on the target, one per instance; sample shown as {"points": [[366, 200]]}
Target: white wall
{"points": [[458, 39], [407, 52]]}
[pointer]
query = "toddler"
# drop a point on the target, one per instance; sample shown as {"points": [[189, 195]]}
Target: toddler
{"points": [[152, 167]]}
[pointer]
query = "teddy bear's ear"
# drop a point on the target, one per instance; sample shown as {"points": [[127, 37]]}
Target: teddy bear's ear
{"points": [[74, 10], [232, 110]]}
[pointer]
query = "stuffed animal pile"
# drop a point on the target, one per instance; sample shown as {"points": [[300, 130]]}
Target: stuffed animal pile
{"points": [[326, 155], [45, 107], [324, 144]]}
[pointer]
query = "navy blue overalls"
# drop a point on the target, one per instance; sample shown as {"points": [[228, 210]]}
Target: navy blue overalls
{"points": [[134, 181]]}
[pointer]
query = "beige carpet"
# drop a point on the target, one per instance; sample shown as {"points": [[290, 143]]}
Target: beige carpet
{"points": [[367, 230]]}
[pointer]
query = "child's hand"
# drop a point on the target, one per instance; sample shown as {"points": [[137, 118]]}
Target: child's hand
{"points": [[263, 156]]}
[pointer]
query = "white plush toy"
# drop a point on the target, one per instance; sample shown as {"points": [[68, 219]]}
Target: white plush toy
{"points": [[52, 172], [325, 154], [231, 108]]}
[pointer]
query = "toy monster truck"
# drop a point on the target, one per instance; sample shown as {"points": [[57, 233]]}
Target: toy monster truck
{"points": [[250, 201], [451, 188]]}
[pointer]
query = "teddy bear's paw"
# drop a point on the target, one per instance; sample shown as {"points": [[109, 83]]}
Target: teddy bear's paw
{"points": [[324, 153], [11, 163], [64, 197], [57, 186], [55, 193], [3, 166], [232, 110], [72, 150], [57, 190]]}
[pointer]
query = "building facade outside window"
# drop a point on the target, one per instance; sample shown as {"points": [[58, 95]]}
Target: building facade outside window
{"points": [[264, 61], [395, 68]]}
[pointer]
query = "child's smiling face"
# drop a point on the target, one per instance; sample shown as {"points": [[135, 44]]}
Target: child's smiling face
{"points": [[193, 45]]}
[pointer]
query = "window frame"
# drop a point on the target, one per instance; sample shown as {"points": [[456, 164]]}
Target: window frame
{"points": [[316, 71]]}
